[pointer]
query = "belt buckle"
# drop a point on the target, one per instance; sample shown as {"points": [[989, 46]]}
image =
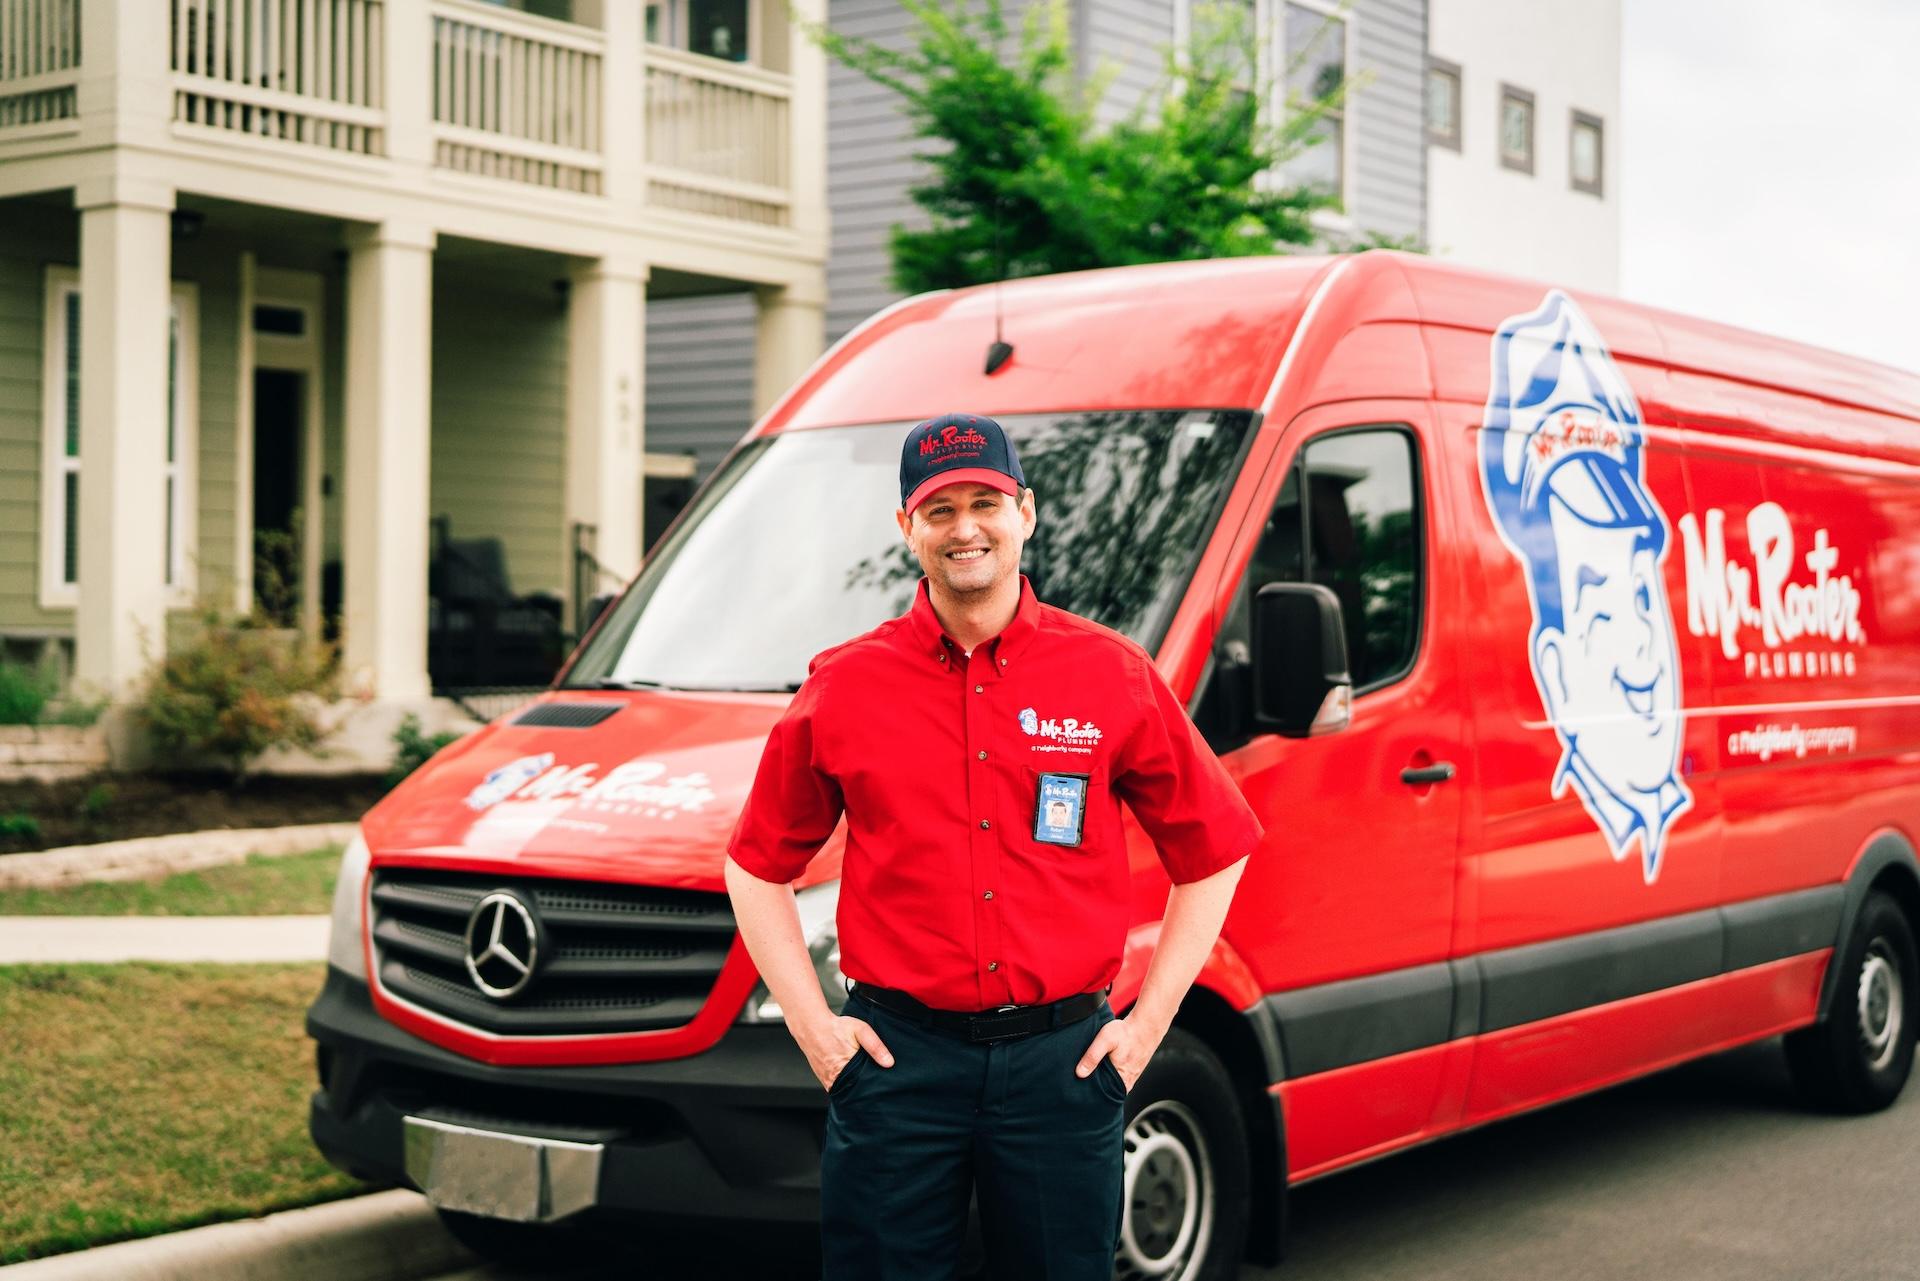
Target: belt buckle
{"points": [[979, 1037]]}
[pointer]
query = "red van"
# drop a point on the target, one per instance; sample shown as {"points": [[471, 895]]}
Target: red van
{"points": [[1569, 651]]}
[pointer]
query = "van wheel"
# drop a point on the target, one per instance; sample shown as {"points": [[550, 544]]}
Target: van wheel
{"points": [[1184, 1197], [1858, 1057], [508, 1242]]}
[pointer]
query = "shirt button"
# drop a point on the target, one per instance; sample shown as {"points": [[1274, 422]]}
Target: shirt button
{"points": [[979, 689], [1003, 662], [993, 965], [983, 756], [988, 894], [984, 825]]}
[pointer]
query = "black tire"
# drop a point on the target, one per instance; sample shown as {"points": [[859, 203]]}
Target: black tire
{"points": [[1183, 1128], [504, 1241], [1858, 1057]]}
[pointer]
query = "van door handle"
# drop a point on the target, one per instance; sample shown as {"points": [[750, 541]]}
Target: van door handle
{"points": [[1426, 775]]}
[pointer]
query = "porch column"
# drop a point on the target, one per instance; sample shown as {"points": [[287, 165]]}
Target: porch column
{"points": [[606, 429], [388, 411], [125, 262], [790, 334]]}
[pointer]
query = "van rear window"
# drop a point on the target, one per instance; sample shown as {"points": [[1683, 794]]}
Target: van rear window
{"points": [[792, 547]]}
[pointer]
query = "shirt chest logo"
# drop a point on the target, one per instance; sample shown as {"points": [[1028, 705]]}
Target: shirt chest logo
{"points": [[1065, 734]]}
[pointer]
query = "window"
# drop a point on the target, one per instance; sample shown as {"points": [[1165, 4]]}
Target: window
{"points": [[1516, 128], [1315, 45], [1584, 154], [716, 28], [1443, 103], [1349, 518], [60, 517]]}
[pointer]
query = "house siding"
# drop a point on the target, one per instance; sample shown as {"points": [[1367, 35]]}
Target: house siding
{"points": [[36, 236], [1127, 39], [500, 423], [1389, 193], [699, 397]]}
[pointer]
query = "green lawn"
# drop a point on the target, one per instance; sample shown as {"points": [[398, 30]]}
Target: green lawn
{"points": [[287, 885], [137, 1099]]}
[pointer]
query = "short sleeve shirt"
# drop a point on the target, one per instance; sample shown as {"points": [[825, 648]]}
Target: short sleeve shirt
{"points": [[952, 888]]}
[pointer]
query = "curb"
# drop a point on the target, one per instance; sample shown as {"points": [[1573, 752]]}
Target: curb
{"points": [[144, 856], [386, 1236]]}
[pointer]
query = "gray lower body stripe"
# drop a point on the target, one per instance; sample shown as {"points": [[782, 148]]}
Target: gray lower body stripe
{"points": [[1335, 1025]]}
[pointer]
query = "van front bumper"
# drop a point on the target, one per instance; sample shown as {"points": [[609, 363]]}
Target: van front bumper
{"points": [[733, 1133]]}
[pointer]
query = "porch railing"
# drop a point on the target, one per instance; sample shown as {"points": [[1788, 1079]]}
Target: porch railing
{"points": [[307, 71], [39, 65], [717, 137], [517, 97]]}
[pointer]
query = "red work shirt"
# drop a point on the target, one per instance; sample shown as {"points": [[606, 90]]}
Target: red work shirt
{"points": [[936, 759]]}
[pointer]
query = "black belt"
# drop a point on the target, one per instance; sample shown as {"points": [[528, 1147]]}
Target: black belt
{"points": [[1006, 1023]]}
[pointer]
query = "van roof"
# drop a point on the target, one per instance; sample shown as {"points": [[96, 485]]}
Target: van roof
{"points": [[1210, 334]]}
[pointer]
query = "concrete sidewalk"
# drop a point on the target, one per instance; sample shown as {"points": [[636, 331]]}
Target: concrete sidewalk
{"points": [[36, 939]]}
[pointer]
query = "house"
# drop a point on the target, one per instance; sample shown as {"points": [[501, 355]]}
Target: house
{"points": [[1390, 159], [339, 307]]}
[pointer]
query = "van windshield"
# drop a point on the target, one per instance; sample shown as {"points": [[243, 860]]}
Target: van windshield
{"points": [[793, 548]]}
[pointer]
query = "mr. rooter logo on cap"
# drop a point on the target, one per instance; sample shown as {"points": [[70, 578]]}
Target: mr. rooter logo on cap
{"points": [[957, 448]]}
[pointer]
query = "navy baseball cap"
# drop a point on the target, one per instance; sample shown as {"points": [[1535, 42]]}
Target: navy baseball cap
{"points": [[954, 448]]}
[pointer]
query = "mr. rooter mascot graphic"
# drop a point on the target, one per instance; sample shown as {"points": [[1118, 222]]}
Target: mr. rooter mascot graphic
{"points": [[1561, 467]]}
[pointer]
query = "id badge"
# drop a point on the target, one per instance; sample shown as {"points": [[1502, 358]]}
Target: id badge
{"points": [[1060, 809]]}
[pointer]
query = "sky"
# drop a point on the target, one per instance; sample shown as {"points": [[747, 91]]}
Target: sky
{"points": [[1770, 167]]}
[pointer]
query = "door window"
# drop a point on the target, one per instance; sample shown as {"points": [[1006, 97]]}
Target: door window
{"points": [[1349, 518]]}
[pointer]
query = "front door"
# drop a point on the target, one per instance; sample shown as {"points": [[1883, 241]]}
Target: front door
{"points": [[1355, 884], [279, 432]]}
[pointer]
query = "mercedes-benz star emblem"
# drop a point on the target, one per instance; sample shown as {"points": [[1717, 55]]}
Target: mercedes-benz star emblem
{"points": [[503, 945]]}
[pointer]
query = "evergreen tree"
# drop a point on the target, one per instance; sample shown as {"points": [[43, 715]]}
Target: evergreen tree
{"points": [[1022, 181]]}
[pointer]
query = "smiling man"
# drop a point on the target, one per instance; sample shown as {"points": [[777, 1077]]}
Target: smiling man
{"points": [[979, 748], [1563, 469]]}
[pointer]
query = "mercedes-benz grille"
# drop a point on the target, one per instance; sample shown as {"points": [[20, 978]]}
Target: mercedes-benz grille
{"points": [[613, 958]]}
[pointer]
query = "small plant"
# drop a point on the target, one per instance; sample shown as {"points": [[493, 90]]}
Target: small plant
{"points": [[234, 691], [412, 748], [23, 694], [19, 827], [94, 805]]}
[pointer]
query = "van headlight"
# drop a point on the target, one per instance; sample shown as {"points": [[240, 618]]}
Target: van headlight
{"points": [[346, 950], [818, 905]]}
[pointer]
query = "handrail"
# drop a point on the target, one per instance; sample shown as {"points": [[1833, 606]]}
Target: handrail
{"points": [[737, 75]]}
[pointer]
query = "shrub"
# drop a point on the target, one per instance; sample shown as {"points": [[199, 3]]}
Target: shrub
{"points": [[412, 748], [19, 827], [23, 694], [234, 691], [93, 806]]}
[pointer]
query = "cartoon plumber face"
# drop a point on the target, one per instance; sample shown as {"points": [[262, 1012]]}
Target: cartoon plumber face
{"points": [[1563, 475]]}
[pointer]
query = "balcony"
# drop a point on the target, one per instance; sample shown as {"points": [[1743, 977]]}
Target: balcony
{"points": [[442, 95]]}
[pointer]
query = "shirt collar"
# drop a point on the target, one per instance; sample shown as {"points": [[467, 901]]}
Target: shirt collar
{"points": [[929, 636]]}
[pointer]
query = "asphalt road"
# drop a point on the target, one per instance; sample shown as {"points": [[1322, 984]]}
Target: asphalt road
{"points": [[1712, 1170]]}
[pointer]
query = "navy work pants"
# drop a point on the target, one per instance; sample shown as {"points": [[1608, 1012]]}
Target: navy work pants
{"points": [[906, 1145]]}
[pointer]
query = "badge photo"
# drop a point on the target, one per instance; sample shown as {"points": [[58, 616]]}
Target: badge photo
{"points": [[1060, 809]]}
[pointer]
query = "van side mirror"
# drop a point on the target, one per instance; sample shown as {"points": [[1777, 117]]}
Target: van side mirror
{"points": [[1301, 683]]}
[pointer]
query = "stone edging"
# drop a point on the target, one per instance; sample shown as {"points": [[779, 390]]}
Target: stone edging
{"points": [[145, 856], [387, 1236]]}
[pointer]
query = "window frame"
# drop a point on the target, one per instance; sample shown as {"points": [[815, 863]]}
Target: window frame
{"points": [[180, 474], [1274, 15], [1524, 96], [1450, 137], [1575, 121]]}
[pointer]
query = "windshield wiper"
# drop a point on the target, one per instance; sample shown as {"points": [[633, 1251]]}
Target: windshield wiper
{"points": [[611, 683]]}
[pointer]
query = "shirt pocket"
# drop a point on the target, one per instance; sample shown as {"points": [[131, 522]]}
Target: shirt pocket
{"points": [[1097, 827]]}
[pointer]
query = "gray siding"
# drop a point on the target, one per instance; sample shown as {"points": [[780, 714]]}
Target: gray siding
{"points": [[1129, 40], [1390, 150], [699, 376]]}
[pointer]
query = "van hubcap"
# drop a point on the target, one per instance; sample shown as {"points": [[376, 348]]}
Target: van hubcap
{"points": [[1167, 1195], [1880, 1005]]}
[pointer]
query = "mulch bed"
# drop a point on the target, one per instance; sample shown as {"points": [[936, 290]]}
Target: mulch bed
{"points": [[112, 807]]}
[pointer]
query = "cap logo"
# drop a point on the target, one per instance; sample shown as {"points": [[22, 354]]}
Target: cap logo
{"points": [[952, 442]]}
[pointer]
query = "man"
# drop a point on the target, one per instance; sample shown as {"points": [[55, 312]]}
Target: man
{"points": [[979, 747], [1563, 471]]}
